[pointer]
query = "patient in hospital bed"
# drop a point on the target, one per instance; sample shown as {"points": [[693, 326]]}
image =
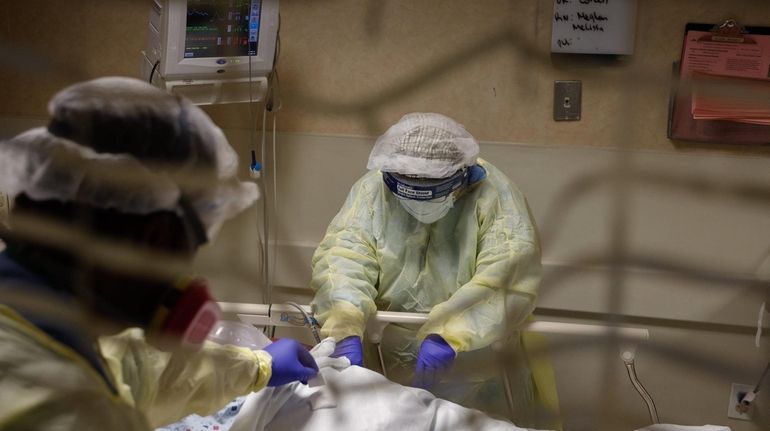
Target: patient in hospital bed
{"points": [[342, 398]]}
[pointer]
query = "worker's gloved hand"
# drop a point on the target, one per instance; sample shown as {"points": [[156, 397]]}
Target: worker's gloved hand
{"points": [[436, 355], [351, 348], [291, 362]]}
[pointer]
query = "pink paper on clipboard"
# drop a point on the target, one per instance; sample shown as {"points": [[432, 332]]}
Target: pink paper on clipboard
{"points": [[744, 100], [722, 85], [745, 56]]}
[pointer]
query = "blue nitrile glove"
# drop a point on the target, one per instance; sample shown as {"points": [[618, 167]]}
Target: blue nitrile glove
{"points": [[291, 362], [350, 347], [435, 355]]}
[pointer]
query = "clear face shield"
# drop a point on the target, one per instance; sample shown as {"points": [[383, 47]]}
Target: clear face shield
{"points": [[426, 199]]}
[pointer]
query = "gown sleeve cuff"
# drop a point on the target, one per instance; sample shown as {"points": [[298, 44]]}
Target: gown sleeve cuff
{"points": [[265, 364], [343, 320]]}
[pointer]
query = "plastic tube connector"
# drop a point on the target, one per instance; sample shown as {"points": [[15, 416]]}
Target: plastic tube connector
{"points": [[628, 356], [744, 401], [255, 168]]}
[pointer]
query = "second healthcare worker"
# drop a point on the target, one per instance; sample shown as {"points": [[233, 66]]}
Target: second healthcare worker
{"points": [[123, 164], [432, 229]]}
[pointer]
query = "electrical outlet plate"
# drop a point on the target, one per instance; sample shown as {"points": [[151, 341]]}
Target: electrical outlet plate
{"points": [[732, 411], [566, 100]]}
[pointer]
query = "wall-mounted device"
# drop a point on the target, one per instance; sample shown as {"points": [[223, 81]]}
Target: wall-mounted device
{"points": [[211, 51], [567, 100]]}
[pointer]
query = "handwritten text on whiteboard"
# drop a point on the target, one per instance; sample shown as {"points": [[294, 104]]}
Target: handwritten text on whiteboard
{"points": [[594, 26]]}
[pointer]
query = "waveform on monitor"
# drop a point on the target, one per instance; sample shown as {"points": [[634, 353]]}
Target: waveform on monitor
{"points": [[196, 12]]}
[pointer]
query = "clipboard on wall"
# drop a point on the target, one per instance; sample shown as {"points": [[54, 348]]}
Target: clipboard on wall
{"points": [[722, 71]]}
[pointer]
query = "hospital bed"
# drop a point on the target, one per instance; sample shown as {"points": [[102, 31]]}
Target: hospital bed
{"points": [[292, 314]]}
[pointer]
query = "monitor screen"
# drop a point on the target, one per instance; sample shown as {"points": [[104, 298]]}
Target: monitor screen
{"points": [[222, 28]]}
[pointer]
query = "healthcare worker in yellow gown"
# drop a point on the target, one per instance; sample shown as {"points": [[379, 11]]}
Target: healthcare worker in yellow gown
{"points": [[120, 163], [433, 229]]}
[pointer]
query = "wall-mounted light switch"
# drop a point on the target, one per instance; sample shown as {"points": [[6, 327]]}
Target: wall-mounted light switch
{"points": [[566, 100]]}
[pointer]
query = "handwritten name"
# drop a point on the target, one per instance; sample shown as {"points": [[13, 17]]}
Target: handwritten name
{"points": [[593, 17], [587, 27]]}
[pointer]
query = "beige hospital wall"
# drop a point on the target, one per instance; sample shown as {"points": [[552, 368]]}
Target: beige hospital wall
{"points": [[353, 67], [688, 229]]}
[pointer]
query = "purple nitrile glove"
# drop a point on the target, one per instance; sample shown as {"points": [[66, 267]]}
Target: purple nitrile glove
{"points": [[350, 347], [435, 355], [291, 362]]}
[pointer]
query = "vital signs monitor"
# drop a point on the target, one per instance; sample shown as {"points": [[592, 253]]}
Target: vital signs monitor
{"points": [[212, 51]]}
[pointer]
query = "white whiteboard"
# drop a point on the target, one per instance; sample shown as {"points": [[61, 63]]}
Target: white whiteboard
{"points": [[593, 26]]}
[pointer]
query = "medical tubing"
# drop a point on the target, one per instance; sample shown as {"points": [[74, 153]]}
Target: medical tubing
{"points": [[763, 307], [270, 105], [261, 244], [631, 369], [275, 206], [508, 393], [268, 293], [251, 107], [273, 80], [152, 72], [762, 378], [310, 322], [261, 239], [382, 360]]}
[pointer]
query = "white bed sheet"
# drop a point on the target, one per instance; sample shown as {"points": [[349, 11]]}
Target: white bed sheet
{"points": [[348, 397]]}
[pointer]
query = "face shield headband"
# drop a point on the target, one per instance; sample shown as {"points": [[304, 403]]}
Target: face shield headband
{"points": [[424, 189]]}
